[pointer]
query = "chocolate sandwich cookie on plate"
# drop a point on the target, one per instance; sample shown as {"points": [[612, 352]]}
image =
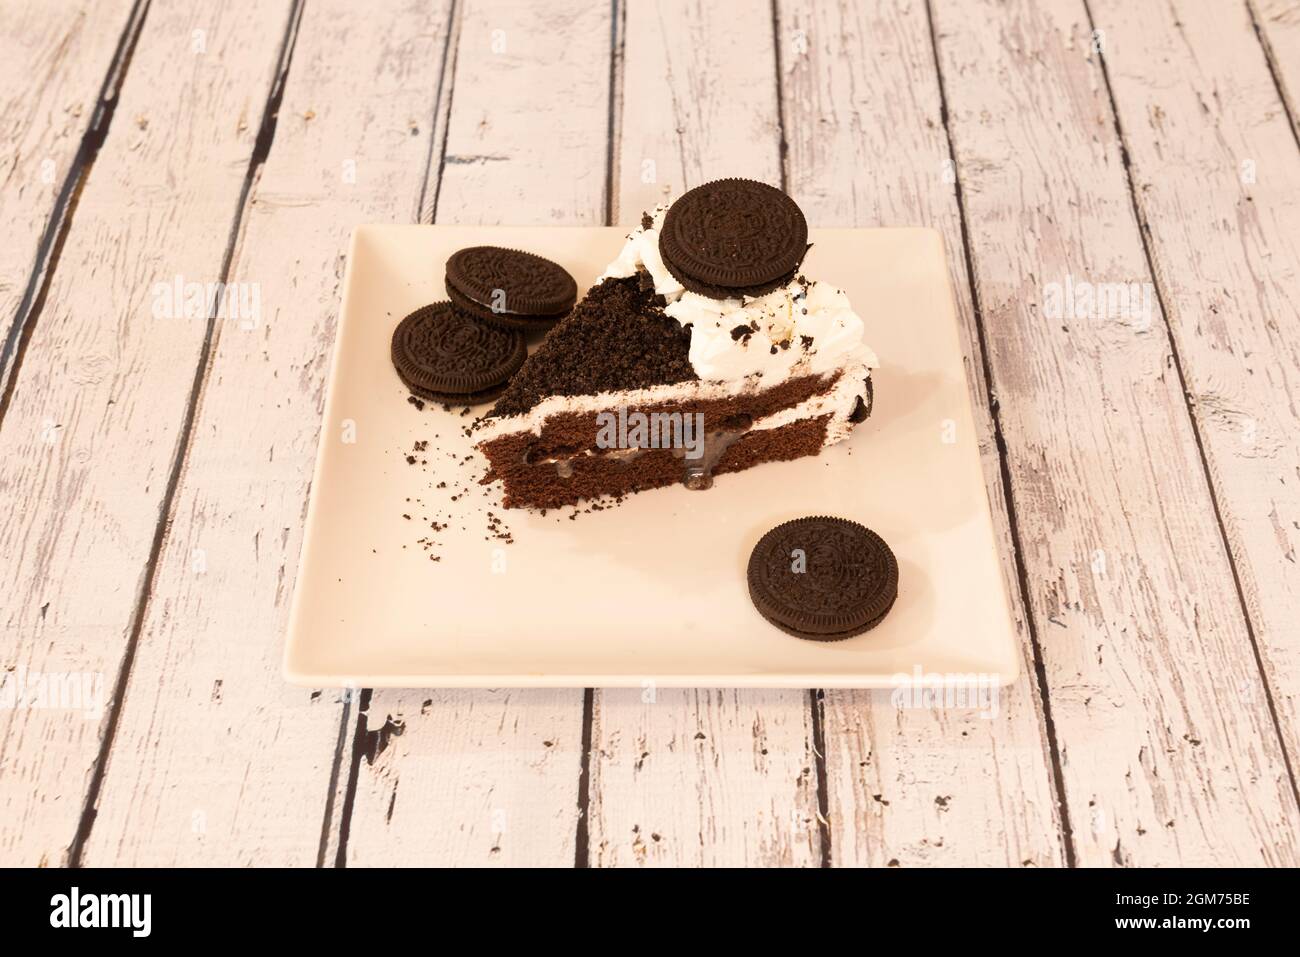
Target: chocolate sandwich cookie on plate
{"points": [[733, 237], [510, 288], [824, 579], [440, 353]]}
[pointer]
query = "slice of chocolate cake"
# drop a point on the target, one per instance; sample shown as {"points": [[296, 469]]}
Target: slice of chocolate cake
{"points": [[647, 383]]}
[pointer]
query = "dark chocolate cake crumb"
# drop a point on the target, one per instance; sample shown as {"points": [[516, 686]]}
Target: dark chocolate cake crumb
{"points": [[741, 331], [416, 401], [616, 338], [647, 221], [497, 529]]}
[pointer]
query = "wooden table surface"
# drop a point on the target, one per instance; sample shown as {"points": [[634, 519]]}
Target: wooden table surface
{"points": [[1144, 465]]}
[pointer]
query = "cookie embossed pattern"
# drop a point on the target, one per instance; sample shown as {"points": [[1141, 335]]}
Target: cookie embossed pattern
{"points": [[825, 579], [445, 356], [733, 237], [509, 287]]}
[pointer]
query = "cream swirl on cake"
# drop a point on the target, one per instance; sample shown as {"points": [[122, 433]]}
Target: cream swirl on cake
{"points": [[774, 371], [805, 323]]}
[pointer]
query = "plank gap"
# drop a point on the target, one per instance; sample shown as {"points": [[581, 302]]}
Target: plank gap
{"points": [[441, 112], [817, 702], [783, 145], [617, 34], [58, 226], [1274, 71], [1144, 233], [261, 149], [582, 840], [1004, 468], [354, 772], [336, 768], [451, 51], [617, 37], [446, 78]]}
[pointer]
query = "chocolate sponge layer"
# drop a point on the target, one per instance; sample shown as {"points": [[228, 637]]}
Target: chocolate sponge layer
{"points": [[541, 486], [525, 462]]}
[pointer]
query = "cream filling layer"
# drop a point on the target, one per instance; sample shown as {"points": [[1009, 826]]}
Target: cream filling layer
{"points": [[840, 400]]}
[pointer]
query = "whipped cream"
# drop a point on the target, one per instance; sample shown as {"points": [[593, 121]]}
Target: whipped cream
{"points": [[804, 324], [642, 249]]}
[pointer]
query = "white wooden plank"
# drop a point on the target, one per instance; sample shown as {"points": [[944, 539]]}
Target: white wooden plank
{"points": [[703, 778], [699, 777], [467, 778], [698, 100], [54, 60], [483, 777], [1217, 179], [90, 437], [1278, 23], [527, 140], [952, 787], [216, 761], [1168, 752]]}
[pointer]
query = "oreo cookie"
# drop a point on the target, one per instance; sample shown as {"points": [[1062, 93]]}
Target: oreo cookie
{"points": [[733, 237], [822, 578], [445, 355], [510, 288], [862, 407]]}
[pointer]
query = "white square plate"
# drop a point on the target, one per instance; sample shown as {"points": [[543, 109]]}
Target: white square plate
{"points": [[653, 590]]}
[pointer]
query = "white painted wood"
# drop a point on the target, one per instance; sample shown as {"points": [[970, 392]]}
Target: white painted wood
{"points": [[471, 778], [1279, 33], [216, 760], [698, 100], [491, 778], [1167, 747], [54, 59], [527, 138], [956, 786], [1217, 174], [699, 777], [90, 436], [703, 778]]}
